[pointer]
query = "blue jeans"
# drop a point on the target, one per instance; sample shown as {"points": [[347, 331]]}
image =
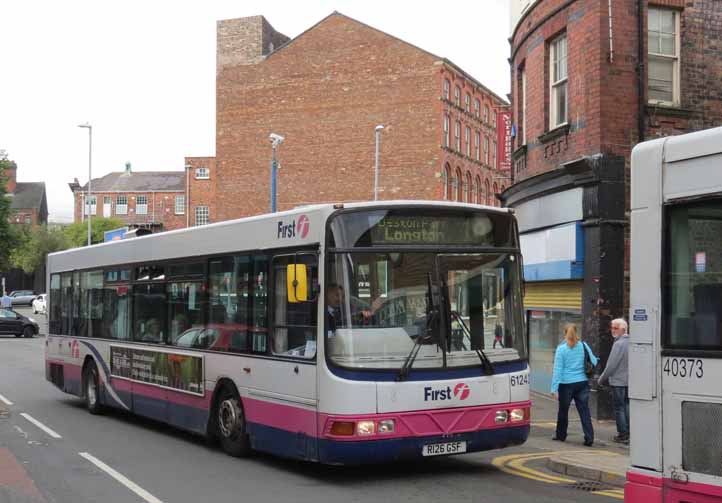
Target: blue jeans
{"points": [[621, 409], [579, 391]]}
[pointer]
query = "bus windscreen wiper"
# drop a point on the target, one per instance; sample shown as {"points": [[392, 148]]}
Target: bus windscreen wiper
{"points": [[427, 336], [485, 362]]}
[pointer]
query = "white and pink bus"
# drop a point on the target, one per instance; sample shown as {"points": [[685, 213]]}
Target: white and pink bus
{"points": [[343, 334], [675, 351]]}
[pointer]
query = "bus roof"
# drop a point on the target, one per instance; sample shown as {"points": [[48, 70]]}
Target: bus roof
{"points": [[228, 236]]}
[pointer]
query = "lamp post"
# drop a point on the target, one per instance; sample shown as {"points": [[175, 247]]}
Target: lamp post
{"points": [[90, 173], [276, 140], [376, 165]]}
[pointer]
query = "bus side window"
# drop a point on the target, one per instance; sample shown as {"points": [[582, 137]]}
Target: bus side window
{"points": [[294, 324]]}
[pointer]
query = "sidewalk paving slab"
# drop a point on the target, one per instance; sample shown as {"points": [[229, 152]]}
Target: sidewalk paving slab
{"points": [[606, 467]]}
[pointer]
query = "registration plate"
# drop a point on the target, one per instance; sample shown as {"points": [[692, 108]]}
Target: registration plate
{"points": [[446, 448]]}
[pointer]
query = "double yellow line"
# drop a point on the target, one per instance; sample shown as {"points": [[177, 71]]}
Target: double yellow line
{"points": [[515, 464]]}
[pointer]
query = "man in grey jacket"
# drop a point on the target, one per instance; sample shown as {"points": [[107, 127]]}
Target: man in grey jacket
{"points": [[617, 374]]}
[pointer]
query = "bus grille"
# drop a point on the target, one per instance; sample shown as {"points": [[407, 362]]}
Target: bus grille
{"points": [[702, 438]]}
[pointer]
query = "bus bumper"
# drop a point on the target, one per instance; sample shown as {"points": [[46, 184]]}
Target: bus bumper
{"points": [[336, 452]]}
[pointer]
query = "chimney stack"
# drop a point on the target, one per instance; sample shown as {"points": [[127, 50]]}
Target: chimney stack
{"points": [[11, 175], [127, 168]]}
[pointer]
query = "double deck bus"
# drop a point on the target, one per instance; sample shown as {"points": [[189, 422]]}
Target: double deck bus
{"points": [[343, 334], [675, 352]]}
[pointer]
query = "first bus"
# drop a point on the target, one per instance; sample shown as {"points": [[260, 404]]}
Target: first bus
{"points": [[343, 334]]}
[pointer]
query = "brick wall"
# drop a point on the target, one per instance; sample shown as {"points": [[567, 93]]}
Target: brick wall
{"points": [[161, 208], [202, 192], [326, 91]]}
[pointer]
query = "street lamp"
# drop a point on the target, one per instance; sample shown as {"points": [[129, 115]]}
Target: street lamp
{"points": [[376, 166], [90, 172], [276, 140]]}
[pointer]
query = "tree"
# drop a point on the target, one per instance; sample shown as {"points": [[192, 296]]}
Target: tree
{"points": [[8, 235], [34, 245], [77, 233]]}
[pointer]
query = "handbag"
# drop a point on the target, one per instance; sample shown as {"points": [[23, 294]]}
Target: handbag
{"points": [[588, 365]]}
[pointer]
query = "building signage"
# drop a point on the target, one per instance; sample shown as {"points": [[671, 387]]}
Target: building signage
{"points": [[115, 234], [503, 142], [171, 370]]}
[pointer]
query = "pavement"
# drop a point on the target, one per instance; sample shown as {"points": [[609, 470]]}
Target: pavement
{"points": [[605, 462]]}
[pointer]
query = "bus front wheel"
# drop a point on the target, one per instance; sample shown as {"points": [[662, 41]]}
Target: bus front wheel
{"points": [[231, 424], [90, 379]]}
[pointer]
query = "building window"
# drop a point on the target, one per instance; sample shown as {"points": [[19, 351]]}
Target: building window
{"points": [[477, 108], [467, 139], [202, 216], [477, 191], [558, 82], [487, 191], [493, 154], [522, 106], [477, 146], [663, 78], [446, 131], [496, 191], [202, 174], [457, 136], [467, 188], [445, 181], [486, 150], [107, 206], [447, 87], [180, 205], [28, 219], [455, 186], [121, 205], [486, 113], [457, 96], [467, 103], [93, 205], [141, 205]]}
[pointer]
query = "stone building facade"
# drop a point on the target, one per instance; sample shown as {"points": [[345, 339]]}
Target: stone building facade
{"points": [[589, 80]]}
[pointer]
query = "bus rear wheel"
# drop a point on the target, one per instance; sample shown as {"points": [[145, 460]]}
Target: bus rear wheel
{"points": [[90, 380], [231, 424]]}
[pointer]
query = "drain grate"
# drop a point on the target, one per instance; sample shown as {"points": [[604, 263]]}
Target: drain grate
{"points": [[589, 486]]}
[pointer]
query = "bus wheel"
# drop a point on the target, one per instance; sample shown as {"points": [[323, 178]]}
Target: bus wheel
{"points": [[231, 424], [90, 378]]}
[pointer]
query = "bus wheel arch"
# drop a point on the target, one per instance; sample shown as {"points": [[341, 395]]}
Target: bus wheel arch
{"points": [[91, 386], [227, 420]]}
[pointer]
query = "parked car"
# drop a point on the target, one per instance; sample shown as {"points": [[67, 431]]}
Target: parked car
{"points": [[14, 323], [22, 297], [40, 304]]}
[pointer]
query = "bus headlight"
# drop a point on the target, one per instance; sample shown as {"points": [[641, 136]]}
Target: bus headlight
{"points": [[516, 415], [387, 426], [501, 416], [365, 428]]}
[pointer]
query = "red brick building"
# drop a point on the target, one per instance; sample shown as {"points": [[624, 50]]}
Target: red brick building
{"points": [[155, 200], [325, 91], [591, 79], [29, 205]]}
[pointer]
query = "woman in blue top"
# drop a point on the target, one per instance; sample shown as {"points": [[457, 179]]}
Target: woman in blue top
{"points": [[570, 382]]}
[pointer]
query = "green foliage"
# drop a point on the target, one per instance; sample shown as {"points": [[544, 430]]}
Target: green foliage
{"points": [[8, 235], [77, 233], [33, 246]]}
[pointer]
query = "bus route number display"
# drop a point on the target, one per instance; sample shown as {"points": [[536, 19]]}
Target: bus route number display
{"points": [[692, 368]]}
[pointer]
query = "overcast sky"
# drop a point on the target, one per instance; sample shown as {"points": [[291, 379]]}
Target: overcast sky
{"points": [[143, 74]]}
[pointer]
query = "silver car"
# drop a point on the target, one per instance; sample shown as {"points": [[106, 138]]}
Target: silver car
{"points": [[22, 297]]}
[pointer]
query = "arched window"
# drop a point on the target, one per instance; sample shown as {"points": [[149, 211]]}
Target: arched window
{"points": [[487, 191], [457, 185], [496, 191], [467, 188], [477, 191], [445, 181]]}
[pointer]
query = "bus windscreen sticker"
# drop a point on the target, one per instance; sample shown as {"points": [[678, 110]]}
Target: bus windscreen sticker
{"points": [[171, 370]]}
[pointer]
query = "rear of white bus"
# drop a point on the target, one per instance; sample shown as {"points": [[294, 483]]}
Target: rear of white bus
{"points": [[425, 354], [676, 320]]}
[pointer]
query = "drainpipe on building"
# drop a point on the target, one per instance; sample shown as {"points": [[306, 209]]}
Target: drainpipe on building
{"points": [[188, 195], [640, 69]]}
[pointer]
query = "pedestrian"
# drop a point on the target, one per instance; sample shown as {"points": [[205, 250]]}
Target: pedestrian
{"points": [[498, 336], [616, 373], [6, 301], [570, 381]]}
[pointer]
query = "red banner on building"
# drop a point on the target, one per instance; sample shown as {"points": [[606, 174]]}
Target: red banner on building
{"points": [[503, 140]]}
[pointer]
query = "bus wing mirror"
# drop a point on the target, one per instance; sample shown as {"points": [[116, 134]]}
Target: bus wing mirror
{"points": [[297, 283]]}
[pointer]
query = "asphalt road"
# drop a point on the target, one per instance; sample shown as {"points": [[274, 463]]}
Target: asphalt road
{"points": [[147, 461]]}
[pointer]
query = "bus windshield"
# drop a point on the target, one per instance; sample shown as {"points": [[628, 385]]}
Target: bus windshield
{"points": [[378, 302]]}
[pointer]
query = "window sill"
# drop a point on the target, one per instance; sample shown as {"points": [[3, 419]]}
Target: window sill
{"points": [[558, 131], [203, 178], [655, 108]]}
